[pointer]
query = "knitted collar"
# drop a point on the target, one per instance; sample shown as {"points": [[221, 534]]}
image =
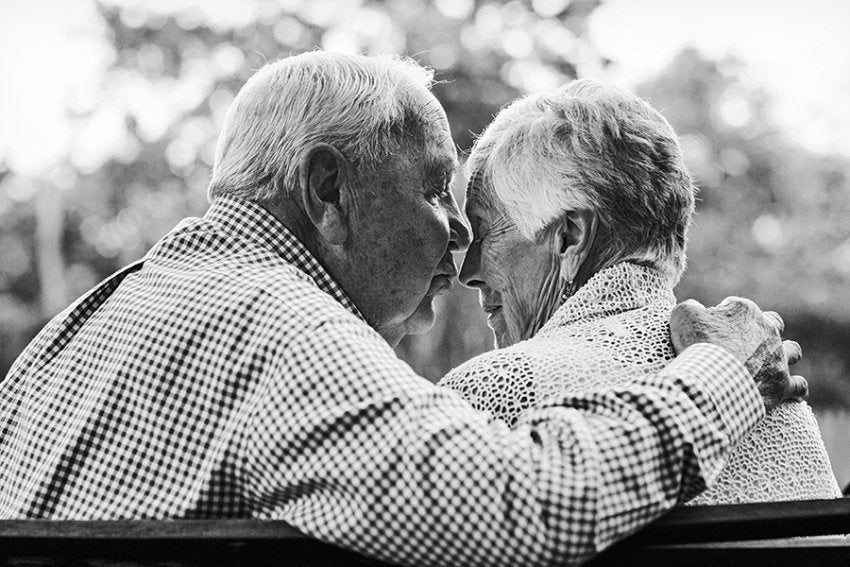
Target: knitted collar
{"points": [[613, 290]]}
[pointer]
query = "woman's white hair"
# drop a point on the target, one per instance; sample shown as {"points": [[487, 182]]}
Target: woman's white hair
{"points": [[589, 145], [353, 103]]}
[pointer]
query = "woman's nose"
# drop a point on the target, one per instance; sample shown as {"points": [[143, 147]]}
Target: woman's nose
{"points": [[469, 270]]}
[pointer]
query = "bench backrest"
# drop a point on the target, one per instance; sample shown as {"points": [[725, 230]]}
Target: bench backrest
{"points": [[746, 534], [796, 534]]}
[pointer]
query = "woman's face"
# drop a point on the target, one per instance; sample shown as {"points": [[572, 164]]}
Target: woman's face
{"points": [[517, 278]]}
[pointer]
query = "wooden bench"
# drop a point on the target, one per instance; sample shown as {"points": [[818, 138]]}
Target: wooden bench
{"points": [[796, 534], [748, 534]]}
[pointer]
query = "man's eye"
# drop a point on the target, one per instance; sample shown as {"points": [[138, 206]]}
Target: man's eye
{"points": [[443, 191], [447, 185]]}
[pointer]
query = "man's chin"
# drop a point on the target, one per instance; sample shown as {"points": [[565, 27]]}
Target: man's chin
{"points": [[422, 319]]}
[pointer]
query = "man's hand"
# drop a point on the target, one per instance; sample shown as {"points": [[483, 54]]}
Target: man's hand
{"points": [[739, 326]]}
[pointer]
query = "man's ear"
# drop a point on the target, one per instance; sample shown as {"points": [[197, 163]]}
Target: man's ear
{"points": [[324, 174], [575, 237]]}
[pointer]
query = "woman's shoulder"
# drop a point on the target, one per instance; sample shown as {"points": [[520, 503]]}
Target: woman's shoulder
{"points": [[508, 380], [630, 339]]}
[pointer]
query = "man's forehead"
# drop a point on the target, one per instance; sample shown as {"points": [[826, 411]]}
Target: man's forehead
{"points": [[432, 112], [439, 145], [441, 148]]}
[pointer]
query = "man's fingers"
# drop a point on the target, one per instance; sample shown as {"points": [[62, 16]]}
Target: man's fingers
{"points": [[798, 389], [792, 351], [774, 319], [686, 313], [686, 322], [691, 304], [736, 310], [727, 307]]}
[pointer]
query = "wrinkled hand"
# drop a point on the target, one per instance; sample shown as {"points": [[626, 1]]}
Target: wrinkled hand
{"points": [[753, 336]]}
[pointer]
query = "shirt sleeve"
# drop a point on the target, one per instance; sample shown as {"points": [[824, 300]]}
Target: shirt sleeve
{"points": [[349, 445]]}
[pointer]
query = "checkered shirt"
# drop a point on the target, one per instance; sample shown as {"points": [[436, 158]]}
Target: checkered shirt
{"points": [[228, 376]]}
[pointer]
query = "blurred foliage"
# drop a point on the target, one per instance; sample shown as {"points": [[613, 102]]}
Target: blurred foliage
{"points": [[145, 137], [834, 425], [770, 222]]}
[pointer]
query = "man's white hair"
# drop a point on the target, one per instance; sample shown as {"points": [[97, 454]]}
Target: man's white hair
{"points": [[353, 103], [589, 145]]}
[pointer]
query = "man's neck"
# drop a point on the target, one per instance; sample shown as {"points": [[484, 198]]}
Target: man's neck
{"points": [[296, 221], [293, 218]]}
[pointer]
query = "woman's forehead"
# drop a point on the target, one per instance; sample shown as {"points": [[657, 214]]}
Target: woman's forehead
{"points": [[480, 197]]}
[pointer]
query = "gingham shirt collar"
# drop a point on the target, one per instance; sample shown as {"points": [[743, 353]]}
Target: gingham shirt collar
{"points": [[250, 221]]}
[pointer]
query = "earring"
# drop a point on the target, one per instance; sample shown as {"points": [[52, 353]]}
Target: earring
{"points": [[568, 292]]}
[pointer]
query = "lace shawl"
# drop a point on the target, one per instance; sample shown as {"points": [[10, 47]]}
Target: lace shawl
{"points": [[610, 332]]}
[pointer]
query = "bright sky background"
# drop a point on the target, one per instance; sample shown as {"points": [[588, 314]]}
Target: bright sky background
{"points": [[51, 50], [799, 50], [48, 50]]}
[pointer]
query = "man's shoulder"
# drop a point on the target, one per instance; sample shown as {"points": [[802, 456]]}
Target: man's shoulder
{"points": [[240, 275]]}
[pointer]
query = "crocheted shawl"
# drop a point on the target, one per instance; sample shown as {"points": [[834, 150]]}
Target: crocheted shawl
{"points": [[615, 329]]}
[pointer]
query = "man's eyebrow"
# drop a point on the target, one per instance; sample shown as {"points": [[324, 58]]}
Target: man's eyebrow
{"points": [[442, 165]]}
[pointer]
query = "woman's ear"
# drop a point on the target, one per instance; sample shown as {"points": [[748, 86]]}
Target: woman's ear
{"points": [[575, 241], [324, 175]]}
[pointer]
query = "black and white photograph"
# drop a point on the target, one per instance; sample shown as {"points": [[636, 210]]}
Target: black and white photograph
{"points": [[424, 283]]}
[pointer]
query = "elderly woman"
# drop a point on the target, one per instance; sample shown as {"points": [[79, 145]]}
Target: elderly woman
{"points": [[579, 204]]}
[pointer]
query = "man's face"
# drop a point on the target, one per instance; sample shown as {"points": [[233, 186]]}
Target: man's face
{"points": [[407, 228]]}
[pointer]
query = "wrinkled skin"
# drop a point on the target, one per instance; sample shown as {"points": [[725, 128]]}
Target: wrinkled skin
{"points": [[386, 233], [517, 278], [752, 336], [406, 230]]}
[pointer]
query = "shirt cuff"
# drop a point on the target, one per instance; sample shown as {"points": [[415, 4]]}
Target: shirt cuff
{"points": [[727, 383]]}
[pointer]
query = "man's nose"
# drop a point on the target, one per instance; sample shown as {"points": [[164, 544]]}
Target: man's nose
{"points": [[459, 231]]}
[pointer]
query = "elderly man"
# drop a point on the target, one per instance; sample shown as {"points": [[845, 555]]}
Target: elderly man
{"points": [[242, 369]]}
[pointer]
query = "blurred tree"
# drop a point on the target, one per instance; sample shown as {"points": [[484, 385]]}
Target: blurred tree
{"points": [[144, 138], [771, 222]]}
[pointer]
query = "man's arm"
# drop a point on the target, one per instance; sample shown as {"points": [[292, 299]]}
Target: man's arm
{"points": [[351, 446]]}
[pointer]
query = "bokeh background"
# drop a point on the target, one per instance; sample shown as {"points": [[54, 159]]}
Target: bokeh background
{"points": [[109, 112]]}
